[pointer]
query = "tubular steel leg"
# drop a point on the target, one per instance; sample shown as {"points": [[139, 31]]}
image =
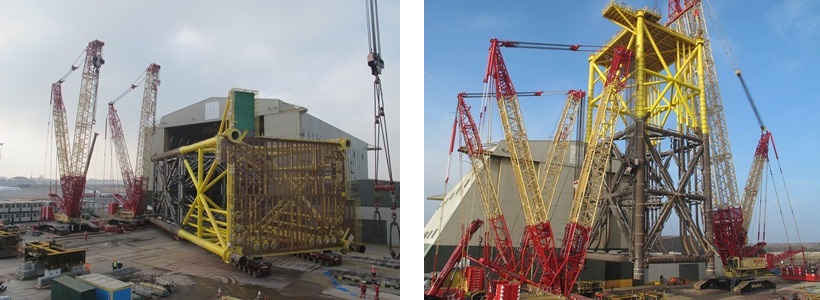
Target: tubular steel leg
{"points": [[638, 209], [707, 205]]}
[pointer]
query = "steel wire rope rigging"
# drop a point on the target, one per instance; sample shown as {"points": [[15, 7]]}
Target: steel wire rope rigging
{"points": [[376, 64], [762, 161]]}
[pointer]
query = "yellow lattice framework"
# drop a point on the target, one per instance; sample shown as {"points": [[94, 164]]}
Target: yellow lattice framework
{"points": [[257, 196], [665, 86]]}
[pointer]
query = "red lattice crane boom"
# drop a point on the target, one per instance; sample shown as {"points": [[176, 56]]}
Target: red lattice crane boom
{"points": [[135, 180], [538, 243], [591, 180], [487, 189], [73, 163], [118, 138], [554, 161]]}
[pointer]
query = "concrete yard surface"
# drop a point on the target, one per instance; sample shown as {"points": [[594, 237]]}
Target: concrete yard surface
{"points": [[198, 274]]}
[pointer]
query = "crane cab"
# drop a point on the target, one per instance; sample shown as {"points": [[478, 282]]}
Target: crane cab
{"points": [[742, 266]]}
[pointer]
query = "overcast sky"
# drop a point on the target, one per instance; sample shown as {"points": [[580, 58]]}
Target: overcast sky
{"points": [[310, 53]]}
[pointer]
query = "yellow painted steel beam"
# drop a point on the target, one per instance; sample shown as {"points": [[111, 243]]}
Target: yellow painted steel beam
{"points": [[640, 59], [209, 143], [216, 227], [203, 180], [590, 182], [219, 250], [704, 122], [666, 65]]}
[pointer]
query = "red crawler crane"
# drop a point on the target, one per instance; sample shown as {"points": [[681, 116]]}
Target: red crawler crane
{"points": [[487, 189], [74, 164], [538, 246], [136, 180], [435, 291]]}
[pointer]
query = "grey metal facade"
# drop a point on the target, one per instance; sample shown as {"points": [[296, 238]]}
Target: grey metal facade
{"points": [[276, 118]]}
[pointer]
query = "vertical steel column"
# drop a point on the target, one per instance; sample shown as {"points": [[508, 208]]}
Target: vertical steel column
{"points": [[707, 165], [591, 97], [638, 209]]}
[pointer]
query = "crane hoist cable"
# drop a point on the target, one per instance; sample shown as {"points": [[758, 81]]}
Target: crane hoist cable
{"points": [[382, 143], [531, 45], [788, 196], [483, 110]]}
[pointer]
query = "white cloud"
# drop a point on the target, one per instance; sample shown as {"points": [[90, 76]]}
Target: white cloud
{"points": [[189, 38], [795, 19]]}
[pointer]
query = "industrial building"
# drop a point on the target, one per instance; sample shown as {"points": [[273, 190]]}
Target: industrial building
{"points": [[22, 210], [463, 201], [276, 118], [446, 227], [280, 119], [462, 204]]}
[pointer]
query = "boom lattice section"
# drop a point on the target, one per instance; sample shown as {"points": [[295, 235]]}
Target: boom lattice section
{"points": [[488, 190], [539, 251]]}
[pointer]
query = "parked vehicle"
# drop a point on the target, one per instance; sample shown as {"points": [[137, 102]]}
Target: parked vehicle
{"points": [[325, 258], [256, 267]]}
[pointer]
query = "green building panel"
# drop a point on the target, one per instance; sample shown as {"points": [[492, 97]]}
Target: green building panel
{"points": [[244, 112]]}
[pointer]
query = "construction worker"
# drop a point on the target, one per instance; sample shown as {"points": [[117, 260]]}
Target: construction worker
{"points": [[114, 264], [373, 272], [364, 289], [87, 268], [376, 289]]}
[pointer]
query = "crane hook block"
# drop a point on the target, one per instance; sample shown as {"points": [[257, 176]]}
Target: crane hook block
{"points": [[376, 63]]}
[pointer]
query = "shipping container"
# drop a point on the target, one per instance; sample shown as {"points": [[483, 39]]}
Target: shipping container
{"points": [[67, 288], [107, 288]]}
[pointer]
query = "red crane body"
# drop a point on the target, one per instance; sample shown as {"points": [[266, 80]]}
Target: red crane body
{"points": [[136, 180], [74, 164], [538, 245], [457, 254]]}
